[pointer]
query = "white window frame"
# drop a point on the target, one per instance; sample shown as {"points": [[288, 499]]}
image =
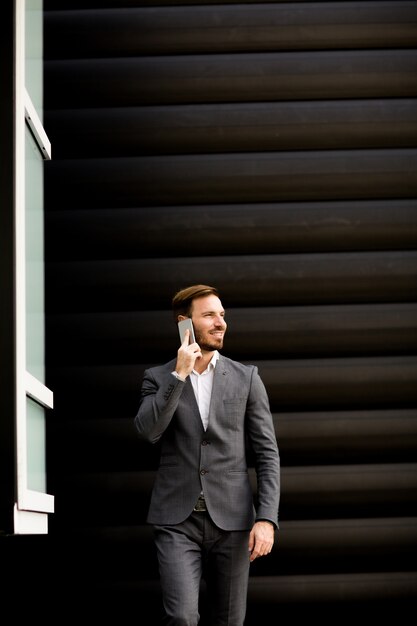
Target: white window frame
{"points": [[31, 507]]}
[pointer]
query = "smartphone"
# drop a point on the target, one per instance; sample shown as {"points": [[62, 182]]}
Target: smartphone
{"points": [[184, 325]]}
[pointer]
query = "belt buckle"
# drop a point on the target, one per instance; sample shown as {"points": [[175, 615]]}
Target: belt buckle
{"points": [[200, 505]]}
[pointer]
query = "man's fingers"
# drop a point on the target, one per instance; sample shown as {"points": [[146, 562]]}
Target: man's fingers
{"points": [[186, 339]]}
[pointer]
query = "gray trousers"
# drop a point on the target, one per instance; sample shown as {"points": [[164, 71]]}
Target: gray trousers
{"points": [[197, 550]]}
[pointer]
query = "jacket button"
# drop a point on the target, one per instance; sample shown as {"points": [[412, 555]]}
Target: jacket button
{"points": [[203, 471], [205, 442]]}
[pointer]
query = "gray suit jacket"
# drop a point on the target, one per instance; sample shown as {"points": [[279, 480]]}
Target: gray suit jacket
{"points": [[214, 460]]}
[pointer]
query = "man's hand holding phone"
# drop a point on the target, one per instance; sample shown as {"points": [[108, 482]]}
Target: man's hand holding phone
{"points": [[189, 349]]}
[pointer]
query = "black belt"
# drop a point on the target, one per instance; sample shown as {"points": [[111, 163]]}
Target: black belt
{"points": [[200, 505]]}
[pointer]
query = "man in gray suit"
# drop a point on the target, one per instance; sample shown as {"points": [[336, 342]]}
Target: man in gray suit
{"points": [[205, 409]]}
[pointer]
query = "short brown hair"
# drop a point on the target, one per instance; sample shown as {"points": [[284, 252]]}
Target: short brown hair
{"points": [[183, 300]]}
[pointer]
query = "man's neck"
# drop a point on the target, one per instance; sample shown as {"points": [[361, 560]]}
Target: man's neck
{"points": [[201, 364]]}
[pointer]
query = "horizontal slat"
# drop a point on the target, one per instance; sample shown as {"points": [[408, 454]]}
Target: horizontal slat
{"points": [[231, 229], [233, 178], [254, 127], [380, 586], [102, 570], [271, 280], [348, 545], [312, 546], [303, 438], [271, 332], [235, 28], [106, 445], [385, 595], [66, 5], [339, 491], [346, 436], [293, 385], [307, 493], [231, 78], [325, 384]]}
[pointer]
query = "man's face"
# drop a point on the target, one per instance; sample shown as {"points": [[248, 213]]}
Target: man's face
{"points": [[207, 315]]}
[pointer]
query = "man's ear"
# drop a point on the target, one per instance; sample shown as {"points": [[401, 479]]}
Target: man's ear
{"points": [[181, 317]]}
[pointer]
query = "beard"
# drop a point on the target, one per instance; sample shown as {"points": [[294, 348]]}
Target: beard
{"points": [[208, 343]]}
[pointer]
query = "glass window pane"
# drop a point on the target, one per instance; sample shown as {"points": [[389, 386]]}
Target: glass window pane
{"points": [[35, 308], [34, 53], [35, 433]]}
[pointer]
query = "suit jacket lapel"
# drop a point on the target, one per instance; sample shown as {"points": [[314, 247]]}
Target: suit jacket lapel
{"points": [[220, 382], [189, 397]]}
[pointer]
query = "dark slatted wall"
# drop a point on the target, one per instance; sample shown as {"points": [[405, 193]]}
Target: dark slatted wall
{"points": [[270, 150]]}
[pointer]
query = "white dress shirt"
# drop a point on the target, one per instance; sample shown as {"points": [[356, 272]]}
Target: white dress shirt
{"points": [[203, 385]]}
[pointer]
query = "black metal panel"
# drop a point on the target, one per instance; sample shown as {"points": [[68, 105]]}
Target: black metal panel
{"points": [[339, 545], [234, 178], [351, 383], [270, 280], [231, 28], [384, 594], [68, 5], [310, 438], [319, 492], [269, 149], [251, 127], [265, 332], [231, 229], [245, 77], [354, 383], [358, 436]]}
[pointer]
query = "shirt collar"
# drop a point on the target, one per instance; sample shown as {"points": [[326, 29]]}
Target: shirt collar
{"points": [[214, 359], [211, 365]]}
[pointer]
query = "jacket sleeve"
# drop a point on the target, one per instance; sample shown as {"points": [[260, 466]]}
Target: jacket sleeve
{"points": [[159, 399], [264, 446]]}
